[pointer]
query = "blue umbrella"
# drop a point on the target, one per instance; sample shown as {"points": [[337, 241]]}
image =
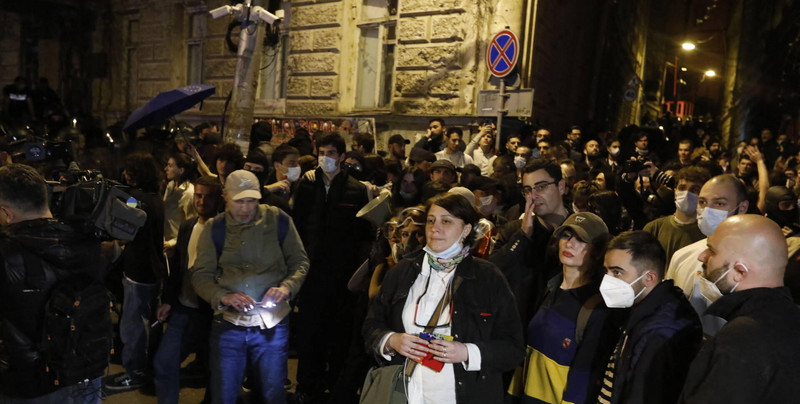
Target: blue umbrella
{"points": [[168, 104]]}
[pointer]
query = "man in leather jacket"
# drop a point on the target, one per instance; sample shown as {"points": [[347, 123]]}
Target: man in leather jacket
{"points": [[29, 234]]}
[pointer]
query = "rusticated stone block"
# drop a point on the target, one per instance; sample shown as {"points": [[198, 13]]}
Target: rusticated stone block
{"points": [[421, 6], [411, 83], [327, 38], [153, 70], [323, 87], [220, 67], [223, 86], [310, 109], [301, 41], [316, 14], [413, 30], [448, 27], [425, 106], [445, 82], [313, 63], [429, 57], [297, 87]]}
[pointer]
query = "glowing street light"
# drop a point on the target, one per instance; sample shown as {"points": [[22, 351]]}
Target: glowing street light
{"points": [[710, 73], [687, 46]]}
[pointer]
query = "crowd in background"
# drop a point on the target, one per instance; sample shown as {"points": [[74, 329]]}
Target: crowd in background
{"points": [[546, 204]]}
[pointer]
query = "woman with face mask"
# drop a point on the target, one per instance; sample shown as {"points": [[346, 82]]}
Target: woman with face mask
{"points": [[570, 337], [446, 318], [406, 191]]}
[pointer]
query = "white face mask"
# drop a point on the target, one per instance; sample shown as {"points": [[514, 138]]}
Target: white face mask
{"points": [[486, 201], [709, 218], [686, 202], [520, 162], [449, 252], [292, 174], [328, 164], [617, 293], [614, 151], [710, 290]]}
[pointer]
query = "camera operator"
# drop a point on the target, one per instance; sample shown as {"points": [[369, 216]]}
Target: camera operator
{"points": [[38, 252]]}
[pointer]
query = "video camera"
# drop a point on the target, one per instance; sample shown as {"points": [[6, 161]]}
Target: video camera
{"points": [[47, 150], [97, 206]]}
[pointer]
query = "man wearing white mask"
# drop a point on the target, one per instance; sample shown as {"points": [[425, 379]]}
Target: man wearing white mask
{"points": [[680, 229], [285, 173], [720, 197], [337, 242], [662, 332], [754, 357]]}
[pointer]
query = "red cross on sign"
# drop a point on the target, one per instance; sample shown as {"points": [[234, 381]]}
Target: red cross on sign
{"points": [[503, 52]]}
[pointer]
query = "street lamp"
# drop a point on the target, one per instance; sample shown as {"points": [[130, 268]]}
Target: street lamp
{"points": [[687, 46], [710, 73]]}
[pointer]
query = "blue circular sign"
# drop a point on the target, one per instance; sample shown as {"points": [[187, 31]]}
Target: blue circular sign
{"points": [[502, 54]]}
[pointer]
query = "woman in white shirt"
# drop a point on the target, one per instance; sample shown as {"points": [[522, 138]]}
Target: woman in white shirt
{"points": [[477, 318], [180, 172]]}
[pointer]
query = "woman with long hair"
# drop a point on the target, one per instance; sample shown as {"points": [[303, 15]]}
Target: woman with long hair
{"points": [[570, 337]]}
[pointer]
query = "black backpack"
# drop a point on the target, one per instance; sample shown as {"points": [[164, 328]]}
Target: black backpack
{"points": [[77, 333], [77, 330]]}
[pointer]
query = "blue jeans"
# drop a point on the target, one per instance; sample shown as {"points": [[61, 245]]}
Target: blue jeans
{"points": [[81, 393], [138, 306], [187, 332], [232, 348]]}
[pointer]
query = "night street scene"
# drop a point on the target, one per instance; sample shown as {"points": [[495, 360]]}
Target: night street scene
{"points": [[399, 201]]}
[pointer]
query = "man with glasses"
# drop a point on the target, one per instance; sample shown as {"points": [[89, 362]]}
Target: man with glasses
{"points": [[525, 253]]}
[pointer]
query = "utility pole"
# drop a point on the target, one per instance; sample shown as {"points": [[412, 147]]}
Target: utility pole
{"points": [[244, 81]]}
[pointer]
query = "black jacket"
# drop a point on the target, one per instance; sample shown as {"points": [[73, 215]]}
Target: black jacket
{"points": [[336, 241], [755, 357], [659, 341], [179, 264], [527, 263], [143, 258], [63, 253], [484, 314]]}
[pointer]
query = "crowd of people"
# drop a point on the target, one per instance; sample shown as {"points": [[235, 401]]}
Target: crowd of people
{"points": [[612, 268]]}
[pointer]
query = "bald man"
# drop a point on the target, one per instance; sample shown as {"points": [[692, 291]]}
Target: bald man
{"points": [[720, 197], [755, 357]]}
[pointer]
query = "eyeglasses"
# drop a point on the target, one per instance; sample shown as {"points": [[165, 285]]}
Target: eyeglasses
{"points": [[538, 188]]}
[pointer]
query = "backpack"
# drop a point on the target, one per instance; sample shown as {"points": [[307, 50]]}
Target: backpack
{"points": [[100, 208], [77, 332]]}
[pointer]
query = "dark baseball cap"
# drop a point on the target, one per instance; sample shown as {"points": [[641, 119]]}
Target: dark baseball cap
{"points": [[586, 225], [398, 139], [442, 163]]}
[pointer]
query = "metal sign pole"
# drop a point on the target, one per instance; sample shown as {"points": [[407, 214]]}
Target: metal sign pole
{"points": [[501, 110]]}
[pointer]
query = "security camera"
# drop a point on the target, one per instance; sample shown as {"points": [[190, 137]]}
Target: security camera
{"points": [[224, 11], [265, 15]]}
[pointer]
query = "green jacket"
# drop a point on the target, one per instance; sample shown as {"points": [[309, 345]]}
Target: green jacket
{"points": [[252, 260]]}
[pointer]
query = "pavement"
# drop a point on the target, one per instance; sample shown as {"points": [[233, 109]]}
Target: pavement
{"points": [[188, 395]]}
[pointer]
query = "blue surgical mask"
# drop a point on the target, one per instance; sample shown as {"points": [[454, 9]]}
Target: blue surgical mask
{"points": [[709, 218], [328, 164]]}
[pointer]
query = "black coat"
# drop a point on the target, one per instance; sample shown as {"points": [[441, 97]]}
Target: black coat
{"points": [[659, 341], [484, 314], [336, 241], [755, 357]]}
